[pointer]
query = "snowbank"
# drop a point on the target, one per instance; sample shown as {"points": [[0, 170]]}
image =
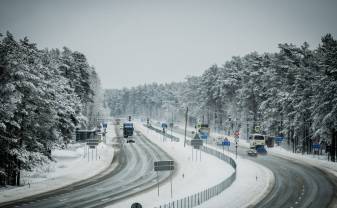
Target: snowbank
{"points": [[313, 160], [190, 176], [71, 166]]}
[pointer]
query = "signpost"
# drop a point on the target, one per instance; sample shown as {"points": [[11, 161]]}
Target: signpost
{"points": [[92, 143], [227, 143], [257, 129], [164, 126], [236, 150], [278, 140], [316, 146], [196, 142], [167, 165]]}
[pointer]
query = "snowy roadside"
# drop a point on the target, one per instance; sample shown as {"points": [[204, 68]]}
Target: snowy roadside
{"points": [[190, 176], [309, 159], [253, 182], [71, 166], [313, 160]]}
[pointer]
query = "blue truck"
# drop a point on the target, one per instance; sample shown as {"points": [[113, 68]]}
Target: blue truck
{"points": [[128, 131]]}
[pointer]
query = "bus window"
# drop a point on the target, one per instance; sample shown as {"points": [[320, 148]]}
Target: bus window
{"points": [[258, 137]]}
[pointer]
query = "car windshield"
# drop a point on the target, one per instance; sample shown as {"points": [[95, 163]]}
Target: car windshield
{"points": [[259, 138]]}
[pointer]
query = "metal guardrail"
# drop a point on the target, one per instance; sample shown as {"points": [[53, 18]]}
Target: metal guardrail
{"points": [[206, 194]]}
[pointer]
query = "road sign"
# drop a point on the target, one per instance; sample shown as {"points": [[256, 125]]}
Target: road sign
{"points": [[236, 133], [92, 142], [278, 139], [257, 129], [105, 125], [316, 146], [226, 143], [164, 125], [163, 168], [164, 165], [196, 142], [236, 139], [203, 135]]}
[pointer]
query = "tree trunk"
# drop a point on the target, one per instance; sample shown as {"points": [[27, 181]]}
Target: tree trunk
{"points": [[333, 145]]}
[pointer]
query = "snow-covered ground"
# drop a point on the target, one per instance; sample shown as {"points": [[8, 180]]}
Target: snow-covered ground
{"points": [[315, 160], [253, 182], [311, 159], [190, 176], [71, 166]]}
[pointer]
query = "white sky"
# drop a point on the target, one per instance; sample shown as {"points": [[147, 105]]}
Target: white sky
{"points": [[137, 42]]}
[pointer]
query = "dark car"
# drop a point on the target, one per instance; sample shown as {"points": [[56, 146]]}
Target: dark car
{"points": [[252, 152], [130, 141]]}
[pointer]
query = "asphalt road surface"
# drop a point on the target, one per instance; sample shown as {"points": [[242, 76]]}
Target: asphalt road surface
{"points": [[133, 174], [297, 184]]}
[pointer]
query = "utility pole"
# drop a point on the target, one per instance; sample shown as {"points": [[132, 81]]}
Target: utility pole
{"points": [[186, 115], [172, 127]]}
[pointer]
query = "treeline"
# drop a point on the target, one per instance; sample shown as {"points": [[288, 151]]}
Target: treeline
{"points": [[44, 95], [292, 93], [154, 100]]}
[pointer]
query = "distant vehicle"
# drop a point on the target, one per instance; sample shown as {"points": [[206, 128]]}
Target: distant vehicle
{"points": [[219, 141], [117, 121], [252, 152], [261, 150], [130, 141], [270, 141], [256, 140], [203, 130], [127, 129]]}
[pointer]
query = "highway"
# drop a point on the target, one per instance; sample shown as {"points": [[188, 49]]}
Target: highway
{"points": [[297, 184], [133, 174]]}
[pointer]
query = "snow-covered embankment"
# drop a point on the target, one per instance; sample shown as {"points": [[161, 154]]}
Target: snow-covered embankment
{"points": [[71, 166]]}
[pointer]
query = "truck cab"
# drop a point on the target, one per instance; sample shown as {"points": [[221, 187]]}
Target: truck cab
{"points": [[127, 129]]}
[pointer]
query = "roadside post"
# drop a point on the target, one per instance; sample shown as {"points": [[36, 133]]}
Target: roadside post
{"points": [[316, 147], [92, 144], [227, 143], [171, 126], [164, 126], [167, 165], [196, 142], [278, 140], [237, 133], [236, 150]]}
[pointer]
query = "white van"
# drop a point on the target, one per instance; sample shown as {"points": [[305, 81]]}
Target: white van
{"points": [[256, 140]]}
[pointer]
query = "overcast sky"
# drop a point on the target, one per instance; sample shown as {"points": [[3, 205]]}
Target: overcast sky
{"points": [[136, 42]]}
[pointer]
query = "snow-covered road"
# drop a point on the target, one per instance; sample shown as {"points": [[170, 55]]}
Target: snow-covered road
{"points": [[191, 176], [297, 183], [133, 174]]}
